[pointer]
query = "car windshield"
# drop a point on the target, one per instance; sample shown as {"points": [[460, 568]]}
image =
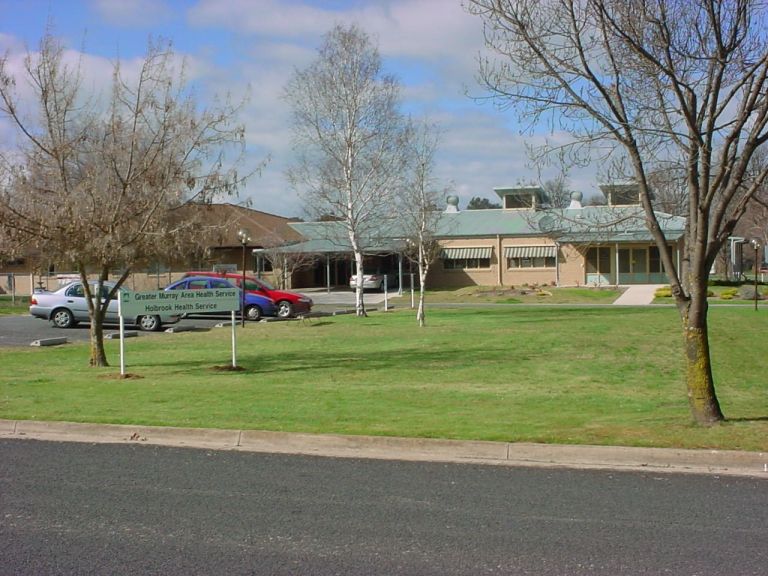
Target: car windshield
{"points": [[77, 290], [266, 284], [254, 284]]}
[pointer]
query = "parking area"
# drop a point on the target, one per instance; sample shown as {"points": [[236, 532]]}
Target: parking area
{"points": [[23, 330]]}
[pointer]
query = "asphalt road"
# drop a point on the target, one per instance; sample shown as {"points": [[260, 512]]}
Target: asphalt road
{"points": [[68, 508]]}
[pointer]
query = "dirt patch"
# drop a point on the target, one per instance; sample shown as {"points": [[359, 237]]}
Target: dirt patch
{"points": [[128, 376], [227, 368]]}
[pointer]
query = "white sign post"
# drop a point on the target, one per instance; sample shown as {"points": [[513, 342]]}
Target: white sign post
{"points": [[174, 302]]}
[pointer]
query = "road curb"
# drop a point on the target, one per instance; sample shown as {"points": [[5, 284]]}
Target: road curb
{"points": [[709, 462]]}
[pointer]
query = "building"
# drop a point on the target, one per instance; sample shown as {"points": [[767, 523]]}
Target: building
{"points": [[214, 243], [524, 242]]}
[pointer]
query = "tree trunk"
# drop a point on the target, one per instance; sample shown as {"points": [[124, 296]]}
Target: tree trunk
{"points": [[359, 273], [420, 313], [98, 354], [702, 397]]}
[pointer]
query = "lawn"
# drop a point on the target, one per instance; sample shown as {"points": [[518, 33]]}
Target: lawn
{"points": [[11, 305], [567, 375], [523, 295]]}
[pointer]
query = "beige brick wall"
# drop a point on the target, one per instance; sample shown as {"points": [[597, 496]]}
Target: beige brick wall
{"points": [[570, 261]]}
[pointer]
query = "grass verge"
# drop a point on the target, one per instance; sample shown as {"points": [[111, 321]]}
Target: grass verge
{"points": [[10, 305], [564, 375]]}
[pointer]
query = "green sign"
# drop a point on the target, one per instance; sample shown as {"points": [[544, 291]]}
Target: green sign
{"points": [[175, 302]]}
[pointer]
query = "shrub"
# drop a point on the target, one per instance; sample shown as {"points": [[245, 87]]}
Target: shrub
{"points": [[729, 293], [663, 292]]}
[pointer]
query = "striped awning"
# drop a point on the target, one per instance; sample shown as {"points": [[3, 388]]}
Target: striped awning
{"points": [[462, 253], [530, 251]]}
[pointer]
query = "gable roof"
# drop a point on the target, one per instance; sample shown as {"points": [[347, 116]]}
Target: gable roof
{"points": [[265, 229]]}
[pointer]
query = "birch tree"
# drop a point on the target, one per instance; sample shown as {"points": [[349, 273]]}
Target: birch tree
{"points": [[658, 84], [420, 208], [97, 183], [350, 139]]}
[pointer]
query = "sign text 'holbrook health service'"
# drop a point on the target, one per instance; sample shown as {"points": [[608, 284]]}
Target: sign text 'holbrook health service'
{"points": [[181, 301]]}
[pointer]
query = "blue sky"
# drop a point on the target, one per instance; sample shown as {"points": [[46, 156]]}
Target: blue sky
{"points": [[239, 45]]}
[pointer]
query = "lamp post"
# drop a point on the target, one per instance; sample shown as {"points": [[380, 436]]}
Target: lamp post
{"points": [[756, 245], [245, 237]]}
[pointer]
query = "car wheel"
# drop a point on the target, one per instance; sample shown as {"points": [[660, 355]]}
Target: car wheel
{"points": [[150, 323], [63, 318], [253, 313], [284, 309]]}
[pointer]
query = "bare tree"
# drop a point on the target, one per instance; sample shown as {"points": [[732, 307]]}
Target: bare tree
{"points": [[654, 83], [419, 207], [557, 191], [350, 139], [285, 262], [97, 184], [670, 190]]}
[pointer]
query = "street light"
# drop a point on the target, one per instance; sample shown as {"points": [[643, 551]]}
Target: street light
{"points": [[245, 237], [756, 245]]}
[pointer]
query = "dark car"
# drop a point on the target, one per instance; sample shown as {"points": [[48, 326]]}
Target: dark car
{"points": [[67, 306], [289, 304], [256, 305]]}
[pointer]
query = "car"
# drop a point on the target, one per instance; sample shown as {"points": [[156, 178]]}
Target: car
{"points": [[67, 306], [256, 305], [289, 304], [374, 281]]}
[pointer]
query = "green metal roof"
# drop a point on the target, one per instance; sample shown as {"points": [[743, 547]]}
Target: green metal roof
{"points": [[575, 225], [591, 224], [331, 237]]}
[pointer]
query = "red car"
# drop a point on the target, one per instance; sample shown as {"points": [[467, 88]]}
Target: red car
{"points": [[289, 304]]}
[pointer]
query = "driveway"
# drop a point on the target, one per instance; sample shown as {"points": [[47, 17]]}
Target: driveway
{"points": [[341, 297]]}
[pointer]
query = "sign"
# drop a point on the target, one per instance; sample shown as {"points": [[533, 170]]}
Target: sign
{"points": [[175, 302]]}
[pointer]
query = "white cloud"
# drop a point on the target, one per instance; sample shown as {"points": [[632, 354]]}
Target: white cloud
{"points": [[275, 18], [133, 13], [252, 47]]}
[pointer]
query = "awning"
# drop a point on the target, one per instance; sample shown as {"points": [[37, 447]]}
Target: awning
{"points": [[530, 251], [462, 253]]}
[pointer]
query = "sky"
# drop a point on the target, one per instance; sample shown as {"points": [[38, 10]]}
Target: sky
{"points": [[254, 46]]}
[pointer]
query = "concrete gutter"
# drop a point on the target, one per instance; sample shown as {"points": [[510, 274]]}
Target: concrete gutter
{"points": [[655, 460]]}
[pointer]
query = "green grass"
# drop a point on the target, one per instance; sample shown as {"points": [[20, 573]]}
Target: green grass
{"points": [[566, 375], [10, 305], [523, 295]]}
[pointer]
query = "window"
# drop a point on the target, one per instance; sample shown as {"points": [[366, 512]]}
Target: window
{"points": [[536, 262], [250, 285], [466, 258], [599, 260], [197, 284], [654, 260], [466, 263], [518, 201], [531, 256]]}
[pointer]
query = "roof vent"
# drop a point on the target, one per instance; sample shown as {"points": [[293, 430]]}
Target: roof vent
{"points": [[453, 204], [576, 198]]}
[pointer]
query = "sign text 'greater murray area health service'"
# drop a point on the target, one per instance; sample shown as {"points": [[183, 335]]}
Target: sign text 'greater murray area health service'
{"points": [[180, 301]]}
